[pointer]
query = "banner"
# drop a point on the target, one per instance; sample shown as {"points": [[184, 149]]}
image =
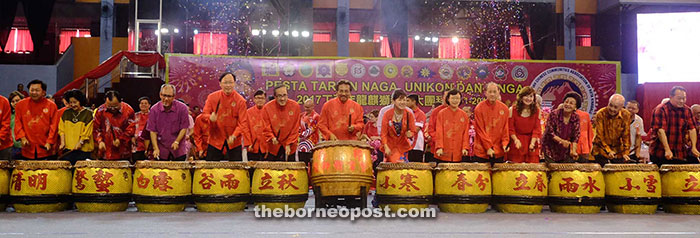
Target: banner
{"points": [[374, 79]]}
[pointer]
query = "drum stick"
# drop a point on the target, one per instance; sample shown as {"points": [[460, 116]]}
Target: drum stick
{"points": [[64, 154]]}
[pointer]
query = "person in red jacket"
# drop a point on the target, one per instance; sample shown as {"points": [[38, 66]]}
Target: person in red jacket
{"points": [[452, 131], [341, 117], [398, 127], [34, 123], [491, 119], [5, 133], [226, 111], [114, 128], [141, 149], [254, 140], [282, 118]]}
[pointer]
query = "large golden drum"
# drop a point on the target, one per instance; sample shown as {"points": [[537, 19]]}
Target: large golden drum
{"points": [[404, 185], [632, 188], [40, 186], [221, 186], [162, 186], [4, 183], [680, 188], [576, 188], [519, 188], [342, 168], [102, 186], [276, 184], [463, 187]]}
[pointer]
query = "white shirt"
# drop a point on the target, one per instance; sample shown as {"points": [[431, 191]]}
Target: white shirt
{"points": [[636, 129]]}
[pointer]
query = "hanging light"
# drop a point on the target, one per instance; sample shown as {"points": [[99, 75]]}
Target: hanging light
{"points": [[305, 34], [455, 39], [295, 33], [417, 37], [275, 33], [255, 32], [435, 39]]}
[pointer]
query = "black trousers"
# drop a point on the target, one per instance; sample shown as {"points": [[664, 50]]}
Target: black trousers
{"points": [[279, 156], [435, 160], [255, 156], [306, 157], [415, 156], [662, 160], [214, 154], [476, 159]]}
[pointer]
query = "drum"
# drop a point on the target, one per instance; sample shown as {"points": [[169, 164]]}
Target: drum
{"points": [[162, 186], [632, 188], [102, 186], [680, 188], [4, 183], [404, 185], [40, 186], [221, 186], [276, 184], [342, 168], [463, 187], [576, 188], [519, 188]]}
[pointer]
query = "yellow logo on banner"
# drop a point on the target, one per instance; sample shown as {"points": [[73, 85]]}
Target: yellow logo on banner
{"points": [[341, 69]]}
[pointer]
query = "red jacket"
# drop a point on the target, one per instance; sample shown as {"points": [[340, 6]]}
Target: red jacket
{"points": [[35, 121], [5, 115], [109, 126]]}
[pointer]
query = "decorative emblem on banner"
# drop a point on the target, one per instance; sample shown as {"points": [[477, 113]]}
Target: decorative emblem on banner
{"points": [[482, 71], [358, 70], [446, 72], [341, 69], [464, 72], [324, 70], [374, 71], [500, 73], [270, 69], [519, 73], [288, 70], [425, 72], [306, 70], [390, 70], [555, 82], [407, 71]]}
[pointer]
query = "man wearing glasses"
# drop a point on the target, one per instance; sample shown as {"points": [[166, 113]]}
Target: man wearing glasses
{"points": [[114, 127], [282, 120], [168, 121]]}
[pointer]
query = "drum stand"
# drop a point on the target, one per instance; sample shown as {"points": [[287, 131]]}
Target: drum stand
{"points": [[337, 201]]}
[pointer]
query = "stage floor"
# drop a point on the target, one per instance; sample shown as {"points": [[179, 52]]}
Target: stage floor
{"points": [[244, 224]]}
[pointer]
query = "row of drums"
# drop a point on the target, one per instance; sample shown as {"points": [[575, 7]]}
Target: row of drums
{"points": [[155, 186], [526, 188], [160, 186]]}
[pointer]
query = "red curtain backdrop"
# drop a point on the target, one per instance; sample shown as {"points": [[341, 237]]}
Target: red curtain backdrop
{"points": [[450, 50], [209, 43], [19, 41], [517, 45], [140, 59], [584, 25], [322, 37], [66, 35], [583, 41], [354, 37], [384, 45]]}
